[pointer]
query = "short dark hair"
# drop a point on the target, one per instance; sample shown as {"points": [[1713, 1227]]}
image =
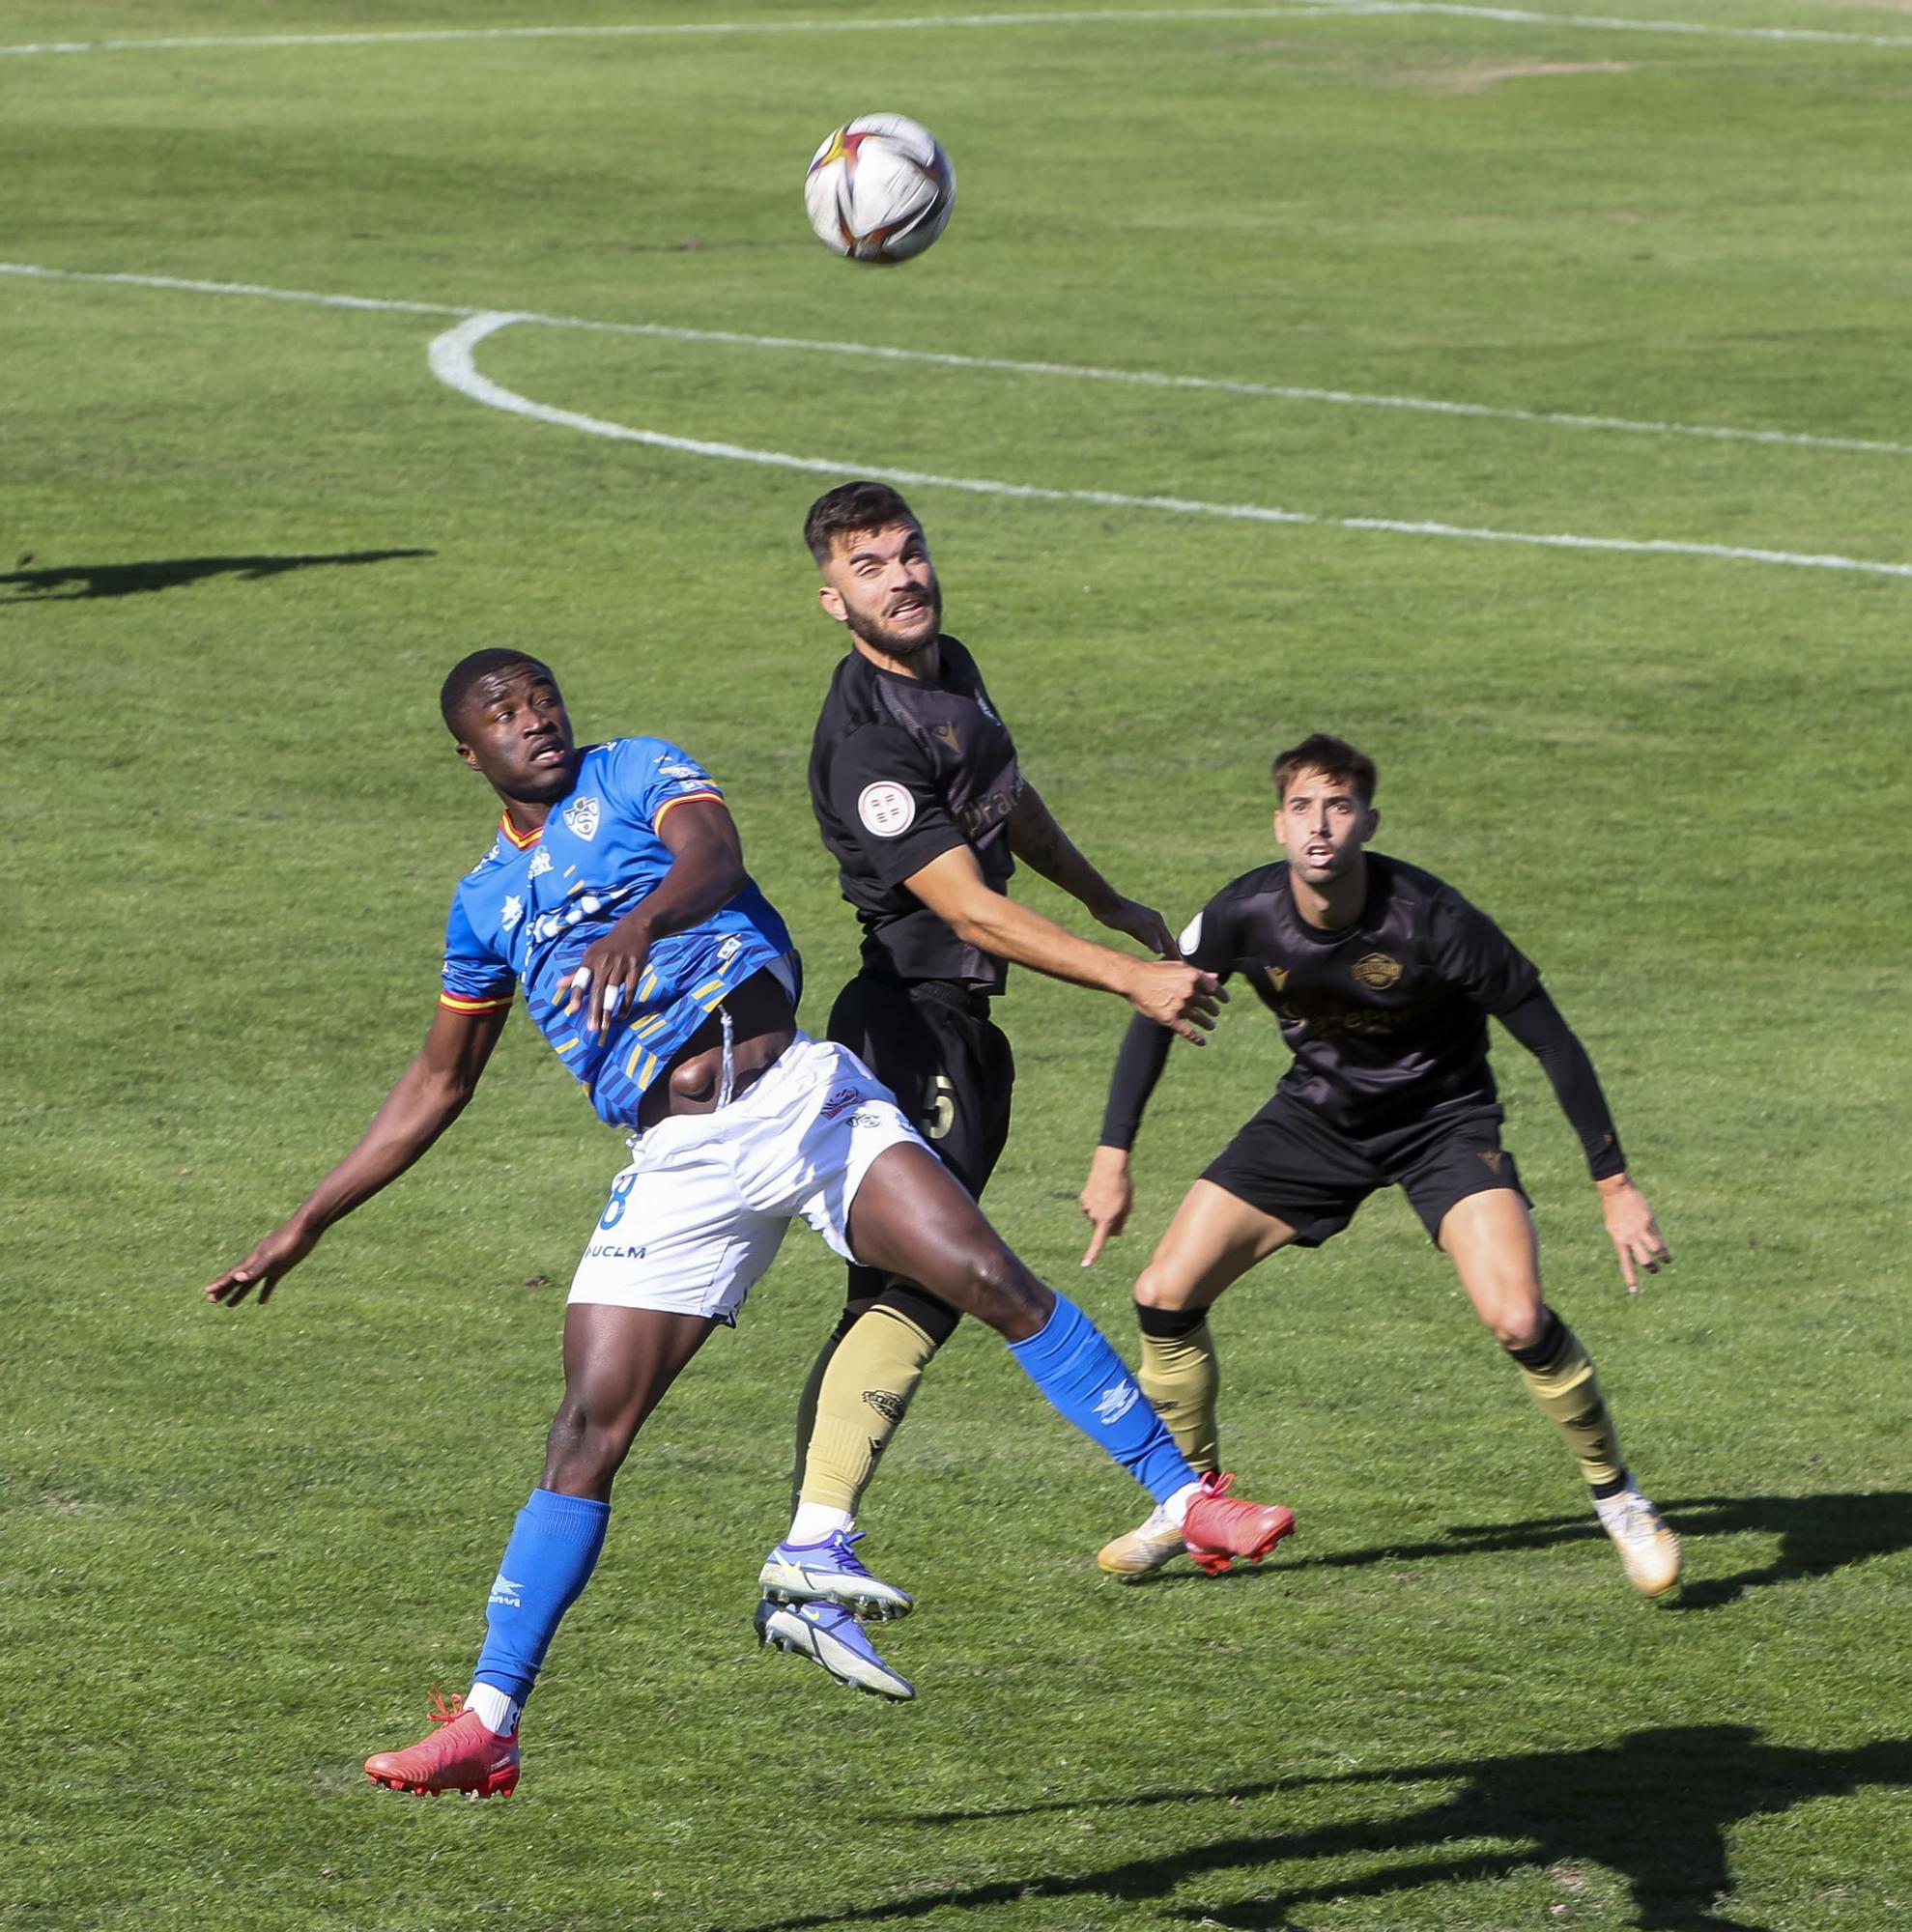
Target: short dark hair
{"points": [[848, 510], [467, 670], [1323, 752]]}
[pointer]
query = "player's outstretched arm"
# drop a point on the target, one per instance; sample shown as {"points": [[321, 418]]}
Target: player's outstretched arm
{"points": [[1164, 990], [1538, 1024], [428, 1096], [1037, 840]]}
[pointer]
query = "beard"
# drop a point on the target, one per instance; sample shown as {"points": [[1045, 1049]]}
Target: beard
{"points": [[880, 637]]}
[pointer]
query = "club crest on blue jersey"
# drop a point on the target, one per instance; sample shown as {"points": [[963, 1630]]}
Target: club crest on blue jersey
{"points": [[582, 817]]}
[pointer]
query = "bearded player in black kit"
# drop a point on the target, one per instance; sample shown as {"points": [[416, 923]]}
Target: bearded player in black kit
{"points": [[1382, 979], [921, 801]]}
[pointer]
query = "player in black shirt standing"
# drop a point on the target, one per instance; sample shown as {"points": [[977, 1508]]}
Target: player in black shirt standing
{"points": [[1382, 979], [914, 780]]}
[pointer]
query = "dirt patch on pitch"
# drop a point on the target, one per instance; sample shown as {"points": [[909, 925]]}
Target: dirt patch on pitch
{"points": [[1477, 76]]}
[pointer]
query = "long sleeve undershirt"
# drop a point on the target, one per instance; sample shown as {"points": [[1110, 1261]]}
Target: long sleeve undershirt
{"points": [[1536, 1023], [1137, 1068]]}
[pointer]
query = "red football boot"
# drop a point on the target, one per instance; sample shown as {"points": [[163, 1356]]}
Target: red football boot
{"points": [[1220, 1527], [459, 1755]]}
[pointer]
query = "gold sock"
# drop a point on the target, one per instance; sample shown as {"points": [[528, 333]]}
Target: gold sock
{"points": [[859, 1388], [806, 1408], [1559, 1373], [1182, 1379]]}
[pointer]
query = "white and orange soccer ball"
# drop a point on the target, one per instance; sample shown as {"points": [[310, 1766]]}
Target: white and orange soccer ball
{"points": [[879, 189]]}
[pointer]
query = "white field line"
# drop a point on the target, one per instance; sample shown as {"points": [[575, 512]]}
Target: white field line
{"points": [[1147, 379], [920, 22], [186, 285], [450, 358], [452, 363]]}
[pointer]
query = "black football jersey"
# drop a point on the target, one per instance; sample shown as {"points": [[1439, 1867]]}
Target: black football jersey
{"points": [[1386, 1017], [902, 771]]}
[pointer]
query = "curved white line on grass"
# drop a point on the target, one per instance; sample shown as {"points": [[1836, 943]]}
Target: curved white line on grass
{"points": [[452, 364], [1004, 366], [1520, 16], [450, 357]]}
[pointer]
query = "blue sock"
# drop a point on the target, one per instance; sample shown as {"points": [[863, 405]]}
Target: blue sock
{"points": [[549, 1560], [1072, 1362]]}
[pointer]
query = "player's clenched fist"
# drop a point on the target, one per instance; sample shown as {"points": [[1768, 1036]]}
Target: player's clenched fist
{"points": [[1182, 997], [608, 976]]}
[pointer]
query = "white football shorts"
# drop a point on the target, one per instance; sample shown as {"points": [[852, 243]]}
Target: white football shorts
{"points": [[700, 1212]]}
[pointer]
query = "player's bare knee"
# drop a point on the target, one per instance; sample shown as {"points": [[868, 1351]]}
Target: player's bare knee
{"points": [[996, 1288], [564, 1444], [583, 1452], [1156, 1287], [1517, 1325]]}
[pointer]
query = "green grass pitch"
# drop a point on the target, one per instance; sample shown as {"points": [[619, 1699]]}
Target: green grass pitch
{"points": [[243, 539]]}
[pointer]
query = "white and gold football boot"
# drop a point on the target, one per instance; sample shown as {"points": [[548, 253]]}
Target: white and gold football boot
{"points": [[1650, 1551]]}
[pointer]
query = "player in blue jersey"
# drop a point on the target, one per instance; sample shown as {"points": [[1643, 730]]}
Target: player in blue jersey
{"points": [[615, 894]]}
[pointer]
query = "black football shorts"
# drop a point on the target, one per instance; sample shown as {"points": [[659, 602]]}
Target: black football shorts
{"points": [[1291, 1163], [933, 1044]]}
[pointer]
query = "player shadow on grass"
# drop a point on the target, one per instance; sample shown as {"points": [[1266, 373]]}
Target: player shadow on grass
{"points": [[1817, 1536], [1653, 1808], [73, 582]]}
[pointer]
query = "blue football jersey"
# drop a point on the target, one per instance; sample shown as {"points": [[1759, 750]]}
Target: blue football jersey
{"points": [[530, 908]]}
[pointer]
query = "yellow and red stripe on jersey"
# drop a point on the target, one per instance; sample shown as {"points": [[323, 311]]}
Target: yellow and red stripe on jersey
{"points": [[509, 831], [495, 1002], [682, 798]]}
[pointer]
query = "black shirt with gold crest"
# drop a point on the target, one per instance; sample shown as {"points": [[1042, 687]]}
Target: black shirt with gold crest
{"points": [[903, 770], [1386, 1017]]}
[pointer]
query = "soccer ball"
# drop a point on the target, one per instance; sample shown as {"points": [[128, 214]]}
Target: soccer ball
{"points": [[879, 189]]}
